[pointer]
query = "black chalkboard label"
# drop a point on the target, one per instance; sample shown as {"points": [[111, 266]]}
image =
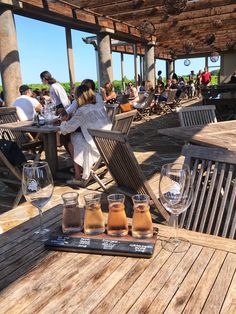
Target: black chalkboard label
{"points": [[105, 246]]}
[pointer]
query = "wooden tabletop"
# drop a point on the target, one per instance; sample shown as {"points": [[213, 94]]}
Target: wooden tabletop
{"points": [[49, 139], [35, 280], [221, 134]]}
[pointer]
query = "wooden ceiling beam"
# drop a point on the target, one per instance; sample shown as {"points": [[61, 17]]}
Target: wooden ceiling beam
{"points": [[158, 11]]}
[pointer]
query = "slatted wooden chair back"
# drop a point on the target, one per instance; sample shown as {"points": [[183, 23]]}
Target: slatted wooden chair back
{"points": [[143, 112], [112, 110], [24, 140], [171, 96], [123, 121], [123, 166], [197, 115], [10, 175], [8, 115], [213, 209]]}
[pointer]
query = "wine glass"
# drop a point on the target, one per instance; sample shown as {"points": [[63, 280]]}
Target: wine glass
{"points": [[37, 187], [176, 195]]}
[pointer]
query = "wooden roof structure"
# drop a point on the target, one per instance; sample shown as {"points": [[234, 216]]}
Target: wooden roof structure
{"points": [[205, 26]]}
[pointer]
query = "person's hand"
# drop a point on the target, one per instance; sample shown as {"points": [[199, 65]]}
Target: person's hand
{"points": [[102, 89]]}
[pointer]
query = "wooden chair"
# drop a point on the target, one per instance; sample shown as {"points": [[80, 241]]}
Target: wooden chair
{"points": [[24, 141], [169, 104], [213, 209], [122, 123], [112, 110], [10, 176], [143, 113], [123, 166], [197, 115]]}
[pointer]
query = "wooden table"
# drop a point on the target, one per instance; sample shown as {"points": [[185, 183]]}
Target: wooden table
{"points": [[221, 134], [35, 280], [49, 139]]}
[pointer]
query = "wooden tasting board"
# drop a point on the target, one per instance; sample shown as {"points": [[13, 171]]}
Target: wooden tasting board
{"points": [[102, 244]]}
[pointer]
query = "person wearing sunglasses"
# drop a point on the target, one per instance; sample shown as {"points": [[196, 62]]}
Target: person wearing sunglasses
{"points": [[132, 91]]}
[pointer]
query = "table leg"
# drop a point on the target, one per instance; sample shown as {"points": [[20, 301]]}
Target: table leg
{"points": [[50, 147]]}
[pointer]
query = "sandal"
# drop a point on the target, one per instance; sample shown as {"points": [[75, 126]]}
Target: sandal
{"points": [[75, 182]]}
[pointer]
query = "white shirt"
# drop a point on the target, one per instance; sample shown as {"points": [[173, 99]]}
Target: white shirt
{"points": [[86, 117], [25, 106], [58, 95]]}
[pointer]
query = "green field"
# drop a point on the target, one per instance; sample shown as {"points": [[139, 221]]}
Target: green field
{"points": [[117, 84]]}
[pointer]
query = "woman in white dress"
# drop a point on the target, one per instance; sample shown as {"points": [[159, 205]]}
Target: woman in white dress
{"points": [[89, 115]]}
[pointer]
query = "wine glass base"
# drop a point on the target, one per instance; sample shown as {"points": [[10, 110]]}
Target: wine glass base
{"points": [[42, 234], [176, 245]]}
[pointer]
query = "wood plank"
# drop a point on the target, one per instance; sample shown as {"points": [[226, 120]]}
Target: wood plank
{"points": [[122, 286], [130, 297], [204, 286], [187, 287], [218, 293], [84, 280], [172, 284], [230, 300]]}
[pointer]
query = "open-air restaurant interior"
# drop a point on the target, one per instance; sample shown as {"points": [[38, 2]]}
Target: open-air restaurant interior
{"points": [[121, 198]]}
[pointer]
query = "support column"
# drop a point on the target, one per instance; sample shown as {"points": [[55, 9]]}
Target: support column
{"points": [[122, 71], [150, 65], [135, 65], [206, 61], [141, 68], [105, 56], [9, 57], [70, 58], [169, 68]]}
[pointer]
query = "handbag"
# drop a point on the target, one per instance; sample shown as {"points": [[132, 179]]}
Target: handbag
{"points": [[11, 150], [126, 107]]}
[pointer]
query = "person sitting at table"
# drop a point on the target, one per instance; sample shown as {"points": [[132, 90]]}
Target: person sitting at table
{"points": [[132, 91], [108, 93], [89, 115], [26, 105], [58, 94], [140, 103]]}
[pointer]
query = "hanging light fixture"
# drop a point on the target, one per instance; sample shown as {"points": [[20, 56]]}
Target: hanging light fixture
{"points": [[174, 7], [210, 38], [187, 62], [214, 56], [146, 28], [188, 46]]}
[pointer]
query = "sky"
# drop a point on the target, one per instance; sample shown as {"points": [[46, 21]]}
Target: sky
{"points": [[42, 46]]}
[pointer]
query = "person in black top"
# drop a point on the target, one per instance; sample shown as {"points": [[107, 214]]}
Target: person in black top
{"points": [[233, 78]]}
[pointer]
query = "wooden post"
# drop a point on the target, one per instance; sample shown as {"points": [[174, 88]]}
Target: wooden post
{"points": [[169, 68], [105, 56], [141, 68], [122, 70], [150, 66], [9, 57], [135, 65], [70, 58]]}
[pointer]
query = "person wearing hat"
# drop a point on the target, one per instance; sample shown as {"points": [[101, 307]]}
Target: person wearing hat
{"points": [[26, 105]]}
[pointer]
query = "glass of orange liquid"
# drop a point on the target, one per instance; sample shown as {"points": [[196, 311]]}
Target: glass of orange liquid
{"points": [[93, 218], [142, 221], [117, 224]]}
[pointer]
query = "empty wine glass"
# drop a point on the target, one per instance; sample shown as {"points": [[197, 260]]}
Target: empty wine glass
{"points": [[37, 187], [176, 195]]}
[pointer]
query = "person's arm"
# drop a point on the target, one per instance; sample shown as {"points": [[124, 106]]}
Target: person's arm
{"points": [[71, 125]]}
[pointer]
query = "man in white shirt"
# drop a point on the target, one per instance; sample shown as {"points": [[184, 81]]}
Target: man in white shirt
{"points": [[58, 94], [26, 105]]}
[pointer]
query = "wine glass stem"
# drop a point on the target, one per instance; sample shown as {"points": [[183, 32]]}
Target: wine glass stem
{"points": [[175, 223], [41, 219]]}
